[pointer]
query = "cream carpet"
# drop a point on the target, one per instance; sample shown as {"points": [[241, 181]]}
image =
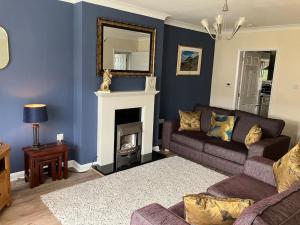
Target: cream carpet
{"points": [[110, 200]]}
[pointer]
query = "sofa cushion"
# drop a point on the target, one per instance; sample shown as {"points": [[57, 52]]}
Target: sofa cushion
{"points": [[189, 121], [245, 120], [232, 151], [283, 209], [242, 186], [287, 169], [221, 126], [222, 165], [202, 209], [191, 139], [253, 136], [206, 112], [186, 152]]}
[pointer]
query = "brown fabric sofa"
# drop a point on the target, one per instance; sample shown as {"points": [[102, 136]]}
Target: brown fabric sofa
{"points": [[228, 157], [256, 182]]}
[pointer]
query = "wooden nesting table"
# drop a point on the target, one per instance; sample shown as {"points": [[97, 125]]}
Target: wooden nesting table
{"points": [[54, 156]]}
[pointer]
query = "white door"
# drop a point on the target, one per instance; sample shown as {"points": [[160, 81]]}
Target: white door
{"points": [[249, 83], [120, 61]]}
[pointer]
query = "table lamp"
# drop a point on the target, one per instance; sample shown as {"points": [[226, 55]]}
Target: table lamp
{"points": [[35, 114]]}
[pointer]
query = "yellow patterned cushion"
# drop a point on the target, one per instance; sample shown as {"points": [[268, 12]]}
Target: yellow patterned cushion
{"points": [[221, 126], [189, 121], [254, 135], [287, 169], [203, 209]]}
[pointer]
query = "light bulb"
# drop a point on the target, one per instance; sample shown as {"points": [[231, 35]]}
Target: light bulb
{"points": [[204, 23], [241, 21], [219, 19]]}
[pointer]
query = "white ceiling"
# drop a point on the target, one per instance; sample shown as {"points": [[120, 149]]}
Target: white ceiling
{"points": [[259, 13], [110, 32]]}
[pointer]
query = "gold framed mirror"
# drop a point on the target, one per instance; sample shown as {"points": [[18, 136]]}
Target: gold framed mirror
{"points": [[4, 48], [125, 49]]}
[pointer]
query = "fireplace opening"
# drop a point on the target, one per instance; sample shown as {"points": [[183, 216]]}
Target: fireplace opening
{"points": [[128, 144], [128, 138]]}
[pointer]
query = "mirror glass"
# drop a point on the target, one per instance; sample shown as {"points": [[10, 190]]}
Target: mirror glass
{"points": [[4, 49], [126, 49]]}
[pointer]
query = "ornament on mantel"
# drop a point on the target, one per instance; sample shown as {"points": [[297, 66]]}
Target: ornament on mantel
{"points": [[107, 76], [150, 84]]}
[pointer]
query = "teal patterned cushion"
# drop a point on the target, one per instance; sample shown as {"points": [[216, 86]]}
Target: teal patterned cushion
{"points": [[221, 126]]}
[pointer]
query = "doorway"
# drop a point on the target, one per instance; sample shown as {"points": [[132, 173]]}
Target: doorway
{"points": [[255, 78]]}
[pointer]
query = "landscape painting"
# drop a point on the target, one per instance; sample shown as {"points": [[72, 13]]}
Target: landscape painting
{"points": [[189, 61]]}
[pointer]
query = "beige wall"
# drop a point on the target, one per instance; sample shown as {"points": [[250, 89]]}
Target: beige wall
{"points": [[112, 44], [144, 45], [285, 98]]}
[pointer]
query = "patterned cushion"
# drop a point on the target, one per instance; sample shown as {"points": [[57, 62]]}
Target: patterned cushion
{"points": [[203, 209], [221, 126], [189, 121], [254, 135], [287, 169]]}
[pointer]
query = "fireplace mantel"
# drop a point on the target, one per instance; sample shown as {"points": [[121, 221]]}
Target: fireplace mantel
{"points": [[108, 103], [125, 93]]}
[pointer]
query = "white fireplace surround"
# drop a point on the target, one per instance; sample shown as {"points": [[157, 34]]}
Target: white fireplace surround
{"points": [[108, 103]]}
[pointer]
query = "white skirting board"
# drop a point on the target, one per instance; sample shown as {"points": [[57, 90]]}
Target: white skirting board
{"points": [[71, 164]]}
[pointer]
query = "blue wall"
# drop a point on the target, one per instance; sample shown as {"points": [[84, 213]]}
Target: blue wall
{"points": [[53, 61], [85, 17], [40, 71], [179, 92]]}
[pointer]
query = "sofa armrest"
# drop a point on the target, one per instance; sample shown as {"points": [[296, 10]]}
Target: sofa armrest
{"points": [[271, 148], [168, 128], [155, 214], [261, 169]]}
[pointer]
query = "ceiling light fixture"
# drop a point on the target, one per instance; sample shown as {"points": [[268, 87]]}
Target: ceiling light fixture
{"points": [[220, 26]]}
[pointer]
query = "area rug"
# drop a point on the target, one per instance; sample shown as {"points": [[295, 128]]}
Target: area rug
{"points": [[110, 200]]}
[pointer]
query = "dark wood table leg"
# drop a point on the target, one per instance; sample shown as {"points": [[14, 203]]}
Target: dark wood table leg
{"points": [[26, 164], [49, 170], [35, 180], [59, 167], [53, 170], [41, 173], [66, 165], [31, 173]]}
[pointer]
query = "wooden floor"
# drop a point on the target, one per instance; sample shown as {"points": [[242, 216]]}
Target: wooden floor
{"points": [[27, 207]]}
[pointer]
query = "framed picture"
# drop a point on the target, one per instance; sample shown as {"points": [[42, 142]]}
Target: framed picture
{"points": [[188, 61]]}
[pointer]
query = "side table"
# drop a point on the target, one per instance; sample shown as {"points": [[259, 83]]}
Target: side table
{"points": [[55, 156], [5, 189]]}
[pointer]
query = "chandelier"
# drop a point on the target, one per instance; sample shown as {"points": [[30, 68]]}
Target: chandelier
{"points": [[220, 25]]}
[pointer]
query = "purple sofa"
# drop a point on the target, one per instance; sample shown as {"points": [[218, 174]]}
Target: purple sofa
{"points": [[228, 157], [256, 182]]}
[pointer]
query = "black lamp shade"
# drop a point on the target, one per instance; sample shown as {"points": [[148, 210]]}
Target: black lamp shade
{"points": [[35, 113]]}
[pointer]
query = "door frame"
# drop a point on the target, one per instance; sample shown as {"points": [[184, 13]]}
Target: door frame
{"points": [[238, 76]]}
